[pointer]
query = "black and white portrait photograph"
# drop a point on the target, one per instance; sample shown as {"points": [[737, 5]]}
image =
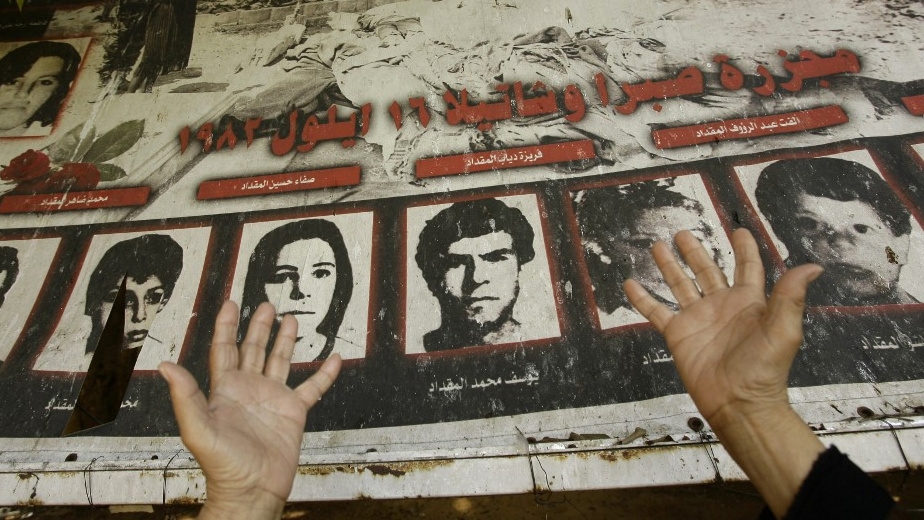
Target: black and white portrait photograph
{"points": [[619, 224], [839, 211], [477, 274], [317, 270], [162, 271], [35, 80], [24, 266], [150, 42]]}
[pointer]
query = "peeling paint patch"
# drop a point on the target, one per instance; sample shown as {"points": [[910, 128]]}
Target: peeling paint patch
{"points": [[891, 256], [183, 501], [381, 469], [398, 469], [318, 470], [571, 437], [637, 434], [666, 438], [395, 469], [617, 455]]}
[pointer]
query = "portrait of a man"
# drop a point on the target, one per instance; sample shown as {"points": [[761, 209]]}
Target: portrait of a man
{"points": [[150, 278], [620, 224], [841, 215], [162, 272], [472, 256]]}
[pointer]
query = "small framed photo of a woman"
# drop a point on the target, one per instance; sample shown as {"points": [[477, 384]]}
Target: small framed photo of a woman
{"points": [[36, 78], [316, 269], [161, 271], [24, 267]]}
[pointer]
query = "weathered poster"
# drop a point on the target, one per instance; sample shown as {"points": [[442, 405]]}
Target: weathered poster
{"points": [[450, 194]]}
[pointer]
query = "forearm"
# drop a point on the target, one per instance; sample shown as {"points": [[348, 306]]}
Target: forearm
{"points": [[774, 447]]}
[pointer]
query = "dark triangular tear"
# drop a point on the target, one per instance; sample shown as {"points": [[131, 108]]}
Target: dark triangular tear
{"points": [[107, 378]]}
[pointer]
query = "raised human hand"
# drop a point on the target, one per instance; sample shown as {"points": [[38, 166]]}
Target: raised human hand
{"points": [[732, 346], [733, 349], [247, 434]]}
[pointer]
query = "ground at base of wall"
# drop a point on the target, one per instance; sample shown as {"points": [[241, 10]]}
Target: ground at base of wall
{"points": [[688, 502]]}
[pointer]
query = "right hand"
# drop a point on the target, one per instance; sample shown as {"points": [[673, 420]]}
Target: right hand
{"points": [[247, 434], [732, 347]]}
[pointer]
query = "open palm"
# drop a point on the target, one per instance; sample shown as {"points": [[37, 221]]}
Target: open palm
{"points": [[247, 434], [730, 344]]}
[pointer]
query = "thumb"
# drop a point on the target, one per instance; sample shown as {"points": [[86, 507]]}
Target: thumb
{"points": [[783, 320], [311, 390], [189, 403]]}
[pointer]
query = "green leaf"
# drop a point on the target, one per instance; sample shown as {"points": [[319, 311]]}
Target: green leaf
{"points": [[115, 142], [110, 172], [69, 148], [84, 145]]}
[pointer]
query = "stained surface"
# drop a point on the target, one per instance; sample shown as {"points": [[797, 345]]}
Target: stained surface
{"points": [[708, 501], [450, 195]]}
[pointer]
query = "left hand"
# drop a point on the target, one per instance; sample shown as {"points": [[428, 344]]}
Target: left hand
{"points": [[247, 434], [733, 349], [732, 346]]}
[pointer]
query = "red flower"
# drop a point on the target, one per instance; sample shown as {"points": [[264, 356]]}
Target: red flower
{"points": [[28, 166], [85, 175], [71, 177]]}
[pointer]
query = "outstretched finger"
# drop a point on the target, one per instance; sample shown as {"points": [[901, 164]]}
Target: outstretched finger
{"points": [[277, 365], [653, 310], [189, 403], [708, 275], [787, 306], [749, 269], [311, 390], [680, 284], [223, 355], [253, 348]]}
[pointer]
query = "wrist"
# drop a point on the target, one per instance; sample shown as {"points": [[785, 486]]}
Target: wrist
{"points": [[774, 447], [256, 506], [762, 416]]}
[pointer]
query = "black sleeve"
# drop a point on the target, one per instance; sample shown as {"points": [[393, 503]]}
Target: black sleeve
{"points": [[837, 488]]}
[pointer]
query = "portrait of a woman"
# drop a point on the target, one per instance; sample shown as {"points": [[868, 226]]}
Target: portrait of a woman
{"points": [[34, 81], [304, 270]]}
